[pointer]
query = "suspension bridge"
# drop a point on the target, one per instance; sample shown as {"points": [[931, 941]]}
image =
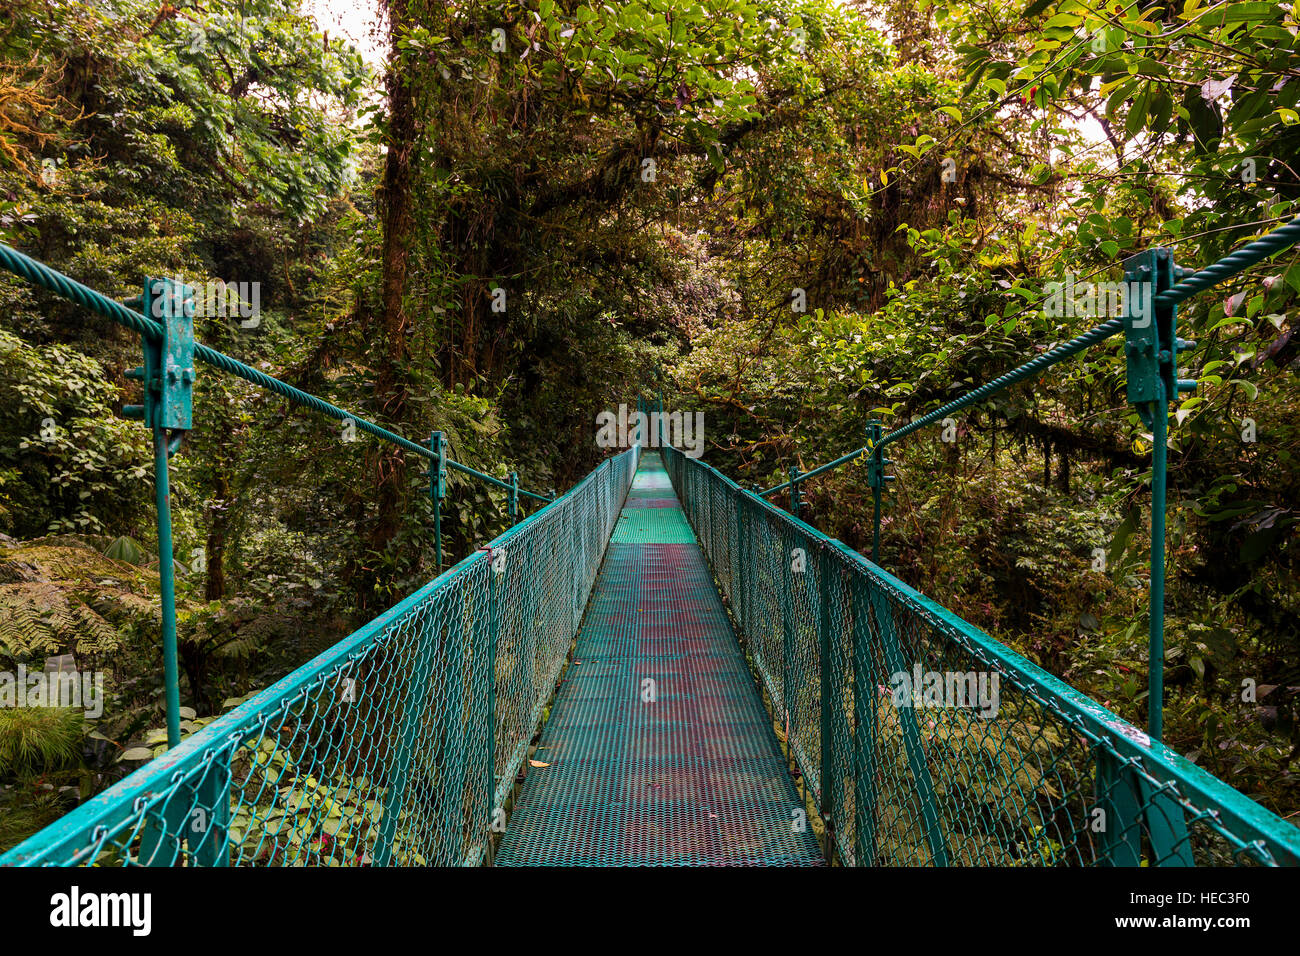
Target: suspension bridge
{"points": [[660, 667]]}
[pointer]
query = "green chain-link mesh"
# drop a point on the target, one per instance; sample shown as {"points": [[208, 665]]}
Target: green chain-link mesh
{"points": [[913, 772], [396, 746]]}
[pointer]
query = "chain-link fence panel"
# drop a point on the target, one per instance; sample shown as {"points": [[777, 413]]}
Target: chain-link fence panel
{"points": [[925, 741], [397, 746]]}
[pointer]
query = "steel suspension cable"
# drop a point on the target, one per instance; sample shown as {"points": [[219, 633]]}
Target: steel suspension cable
{"points": [[43, 276]]}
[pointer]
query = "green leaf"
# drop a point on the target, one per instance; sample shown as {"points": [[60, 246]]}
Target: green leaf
{"points": [[1122, 534]]}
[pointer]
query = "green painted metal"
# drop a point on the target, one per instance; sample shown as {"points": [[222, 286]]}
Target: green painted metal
{"points": [[167, 379], [167, 586], [1013, 778], [394, 746], [492, 783], [209, 830], [167, 375], [400, 745], [645, 525], [831, 680], [881, 622], [1151, 350], [171, 380], [1118, 799], [1154, 288], [415, 705], [43, 276], [437, 475], [865, 723], [658, 751], [1156, 599], [876, 481]]}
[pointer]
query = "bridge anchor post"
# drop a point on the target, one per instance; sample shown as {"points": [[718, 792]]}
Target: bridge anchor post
{"points": [[168, 379], [1151, 347]]}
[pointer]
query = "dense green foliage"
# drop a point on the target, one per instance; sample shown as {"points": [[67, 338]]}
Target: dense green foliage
{"points": [[534, 207]]}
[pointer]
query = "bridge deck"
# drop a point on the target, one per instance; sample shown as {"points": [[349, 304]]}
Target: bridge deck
{"points": [[658, 750]]}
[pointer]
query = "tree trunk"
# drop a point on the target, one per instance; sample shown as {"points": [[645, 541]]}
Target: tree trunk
{"points": [[219, 515], [397, 203]]}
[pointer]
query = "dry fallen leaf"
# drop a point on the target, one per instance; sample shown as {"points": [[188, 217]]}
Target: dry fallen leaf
{"points": [[538, 763]]}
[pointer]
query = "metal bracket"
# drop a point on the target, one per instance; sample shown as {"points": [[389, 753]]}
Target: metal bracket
{"points": [[1151, 343], [437, 474], [876, 462], [168, 370]]}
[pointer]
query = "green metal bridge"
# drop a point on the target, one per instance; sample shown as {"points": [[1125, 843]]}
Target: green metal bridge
{"points": [[660, 667]]}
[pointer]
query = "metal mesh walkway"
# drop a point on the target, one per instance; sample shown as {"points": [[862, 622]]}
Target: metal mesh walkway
{"points": [[658, 750]]}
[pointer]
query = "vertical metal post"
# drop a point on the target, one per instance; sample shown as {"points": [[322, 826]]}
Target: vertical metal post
{"points": [[420, 683], [167, 585], [865, 724], [210, 845], [794, 491], [514, 497], [1166, 826], [168, 378], [1156, 651], [438, 487], [829, 695], [922, 779], [787, 581], [1151, 349], [875, 524], [875, 478], [494, 599], [740, 599], [452, 737], [1120, 842]]}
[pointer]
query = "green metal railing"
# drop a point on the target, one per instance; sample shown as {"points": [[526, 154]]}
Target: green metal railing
{"points": [[399, 745], [922, 739], [926, 742], [168, 377], [1152, 347]]}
